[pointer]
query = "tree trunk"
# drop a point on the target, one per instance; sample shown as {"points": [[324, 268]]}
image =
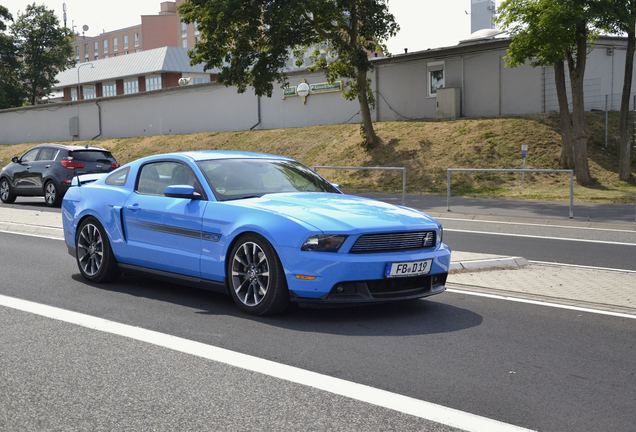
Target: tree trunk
{"points": [[370, 138], [625, 160], [579, 134], [567, 152]]}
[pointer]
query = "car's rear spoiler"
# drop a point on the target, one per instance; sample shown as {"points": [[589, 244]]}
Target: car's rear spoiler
{"points": [[83, 179]]}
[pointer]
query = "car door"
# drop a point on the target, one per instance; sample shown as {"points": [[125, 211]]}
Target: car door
{"points": [[41, 165], [164, 233], [22, 176]]}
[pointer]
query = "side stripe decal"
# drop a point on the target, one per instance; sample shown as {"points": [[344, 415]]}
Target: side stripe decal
{"points": [[214, 237]]}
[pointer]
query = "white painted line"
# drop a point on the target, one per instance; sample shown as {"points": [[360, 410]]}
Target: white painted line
{"points": [[541, 303], [404, 404], [539, 237], [539, 225], [31, 235], [555, 264]]}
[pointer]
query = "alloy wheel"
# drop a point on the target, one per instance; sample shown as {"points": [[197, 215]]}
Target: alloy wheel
{"points": [[4, 190], [90, 248], [250, 274], [50, 193]]}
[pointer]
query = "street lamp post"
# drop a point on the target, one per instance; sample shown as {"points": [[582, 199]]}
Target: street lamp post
{"points": [[78, 94]]}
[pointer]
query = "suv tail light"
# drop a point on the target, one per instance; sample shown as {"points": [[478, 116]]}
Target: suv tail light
{"points": [[114, 165], [69, 163]]}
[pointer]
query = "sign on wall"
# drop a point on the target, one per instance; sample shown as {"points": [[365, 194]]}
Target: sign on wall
{"points": [[304, 90]]}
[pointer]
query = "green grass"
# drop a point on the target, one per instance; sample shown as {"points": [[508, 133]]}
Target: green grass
{"points": [[426, 148]]}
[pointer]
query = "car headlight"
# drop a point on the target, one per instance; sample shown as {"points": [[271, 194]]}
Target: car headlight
{"points": [[324, 243]]}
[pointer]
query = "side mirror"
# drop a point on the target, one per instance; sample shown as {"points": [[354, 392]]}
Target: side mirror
{"points": [[182, 191], [15, 159]]}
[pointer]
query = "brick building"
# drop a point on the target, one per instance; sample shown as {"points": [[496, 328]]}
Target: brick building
{"points": [[154, 31], [139, 72]]}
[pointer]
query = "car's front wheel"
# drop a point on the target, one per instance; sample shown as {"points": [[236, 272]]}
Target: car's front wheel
{"points": [[52, 196], [6, 194], [256, 278], [94, 255]]}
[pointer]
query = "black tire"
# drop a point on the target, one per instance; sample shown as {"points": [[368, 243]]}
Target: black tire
{"points": [[249, 276], [52, 195], [6, 193], [90, 241]]}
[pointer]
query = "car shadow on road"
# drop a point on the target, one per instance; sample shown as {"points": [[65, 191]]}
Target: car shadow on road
{"points": [[415, 317]]}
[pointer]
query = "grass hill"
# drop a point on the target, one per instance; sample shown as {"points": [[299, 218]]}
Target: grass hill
{"points": [[426, 148]]}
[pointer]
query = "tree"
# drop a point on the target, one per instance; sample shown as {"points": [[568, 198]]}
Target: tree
{"points": [[44, 48], [11, 94], [619, 16], [555, 33], [251, 41]]}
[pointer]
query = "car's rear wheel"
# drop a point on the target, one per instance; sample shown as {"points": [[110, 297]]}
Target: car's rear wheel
{"points": [[52, 197], [6, 194], [95, 257], [255, 276]]}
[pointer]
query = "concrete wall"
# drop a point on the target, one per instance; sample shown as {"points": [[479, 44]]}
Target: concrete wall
{"points": [[488, 88]]}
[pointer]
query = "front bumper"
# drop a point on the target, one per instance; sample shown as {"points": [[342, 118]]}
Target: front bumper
{"points": [[360, 278]]}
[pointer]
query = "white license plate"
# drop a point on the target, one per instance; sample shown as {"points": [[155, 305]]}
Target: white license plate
{"points": [[414, 268]]}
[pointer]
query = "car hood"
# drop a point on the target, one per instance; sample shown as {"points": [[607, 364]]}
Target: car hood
{"points": [[336, 213]]}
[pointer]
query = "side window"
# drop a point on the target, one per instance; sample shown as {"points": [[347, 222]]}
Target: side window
{"points": [[47, 154], [155, 177], [118, 178], [30, 155]]}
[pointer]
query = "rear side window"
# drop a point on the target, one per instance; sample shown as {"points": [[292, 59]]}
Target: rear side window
{"points": [[118, 178], [47, 154], [92, 155]]}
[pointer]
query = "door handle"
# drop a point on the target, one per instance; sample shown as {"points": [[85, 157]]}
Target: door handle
{"points": [[47, 166], [133, 207]]}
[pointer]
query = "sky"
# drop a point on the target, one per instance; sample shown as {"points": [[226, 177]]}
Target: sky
{"points": [[424, 23]]}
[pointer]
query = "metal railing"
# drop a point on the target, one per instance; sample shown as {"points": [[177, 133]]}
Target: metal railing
{"points": [[354, 168], [450, 171]]}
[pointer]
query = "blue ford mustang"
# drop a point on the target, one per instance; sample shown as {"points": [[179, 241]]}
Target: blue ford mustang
{"points": [[264, 229]]}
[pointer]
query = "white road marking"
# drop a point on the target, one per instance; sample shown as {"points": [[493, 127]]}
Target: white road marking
{"points": [[555, 264], [539, 225], [396, 402], [539, 237], [31, 235], [541, 303]]}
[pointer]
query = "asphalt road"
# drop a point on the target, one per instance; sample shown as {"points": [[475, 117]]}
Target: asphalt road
{"points": [[538, 367]]}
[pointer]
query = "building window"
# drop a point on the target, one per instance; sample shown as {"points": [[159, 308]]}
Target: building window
{"points": [[73, 93], [153, 82], [184, 43], [136, 39], [105, 46], [131, 86], [96, 46], [77, 54], [436, 77], [89, 92], [96, 57], [184, 29], [201, 80], [115, 44], [109, 89], [125, 42]]}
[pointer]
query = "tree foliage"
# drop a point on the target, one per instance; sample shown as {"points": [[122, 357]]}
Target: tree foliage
{"points": [[11, 94], [556, 33], [44, 49], [251, 41]]}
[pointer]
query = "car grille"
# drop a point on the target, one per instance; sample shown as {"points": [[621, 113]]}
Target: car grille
{"points": [[369, 243]]}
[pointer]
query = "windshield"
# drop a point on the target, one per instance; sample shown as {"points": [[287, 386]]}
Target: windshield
{"points": [[232, 179]]}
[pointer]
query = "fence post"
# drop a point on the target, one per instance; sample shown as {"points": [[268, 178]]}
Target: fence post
{"points": [[403, 186], [572, 194], [448, 189]]}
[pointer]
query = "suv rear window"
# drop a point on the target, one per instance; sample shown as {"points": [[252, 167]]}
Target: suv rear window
{"points": [[91, 155]]}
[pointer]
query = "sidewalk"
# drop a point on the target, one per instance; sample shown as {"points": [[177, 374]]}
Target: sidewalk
{"points": [[599, 289], [605, 213]]}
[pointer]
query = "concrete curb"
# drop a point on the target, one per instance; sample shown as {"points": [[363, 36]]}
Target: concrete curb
{"points": [[499, 263]]}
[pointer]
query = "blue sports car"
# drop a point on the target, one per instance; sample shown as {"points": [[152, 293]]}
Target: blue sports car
{"points": [[264, 229]]}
